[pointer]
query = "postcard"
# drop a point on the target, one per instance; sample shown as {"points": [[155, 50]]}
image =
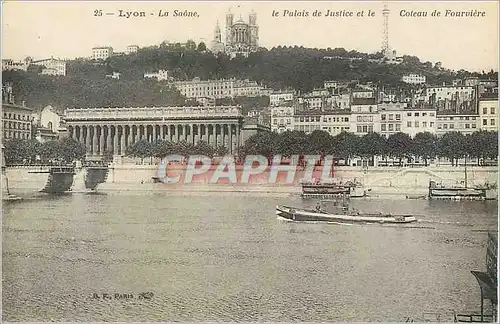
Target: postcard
{"points": [[231, 161]]}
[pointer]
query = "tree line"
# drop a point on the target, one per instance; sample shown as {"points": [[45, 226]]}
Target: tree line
{"points": [[480, 145], [346, 146], [22, 151]]}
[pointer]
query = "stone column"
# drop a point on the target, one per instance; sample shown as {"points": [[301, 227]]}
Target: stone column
{"points": [[115, 141], [130, 137], [73, 132], [88, 143], [230, 136], [122, 141], [162, 132], [154, 132], [101, 141], [108, 139], [137, 134], [219, 136]]}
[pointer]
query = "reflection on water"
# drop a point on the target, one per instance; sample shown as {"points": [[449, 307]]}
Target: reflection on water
{"points": [[226, 257]]}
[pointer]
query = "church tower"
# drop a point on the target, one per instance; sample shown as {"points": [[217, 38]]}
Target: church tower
{"points": [[217, 46], [217, 34], [229, 25], [254, 30]]}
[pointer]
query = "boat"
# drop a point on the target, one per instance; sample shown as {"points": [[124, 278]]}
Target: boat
{"points": [[462, 191], [351, 189], [318, 215]]}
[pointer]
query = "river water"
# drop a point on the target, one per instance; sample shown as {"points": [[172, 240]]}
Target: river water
{"points": [[226, 257]]}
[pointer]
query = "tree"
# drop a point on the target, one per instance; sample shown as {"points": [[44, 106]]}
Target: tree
{"points": [[221, 150], [425, 146], [290, 143], [16, 150], [71, 150], [141, 149], [345, 146], [202, 47], [318, 142], [203, 148], [371, 145], [399, 145], [452, 146]]}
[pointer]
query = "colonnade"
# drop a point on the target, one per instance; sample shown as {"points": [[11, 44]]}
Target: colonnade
{"points": [[115, 138]]}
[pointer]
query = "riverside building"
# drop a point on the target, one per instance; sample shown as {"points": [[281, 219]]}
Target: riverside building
{"points": [[115, 129], [488, 113]]}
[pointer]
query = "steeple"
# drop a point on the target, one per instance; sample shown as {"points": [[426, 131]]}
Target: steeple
{"points": [[217, 33]]}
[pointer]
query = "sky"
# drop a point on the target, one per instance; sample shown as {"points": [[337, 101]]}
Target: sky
{"points": [[71, 29]]}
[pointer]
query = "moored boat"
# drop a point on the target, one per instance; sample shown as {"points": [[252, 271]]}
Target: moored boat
{"points": [[318, 215]]}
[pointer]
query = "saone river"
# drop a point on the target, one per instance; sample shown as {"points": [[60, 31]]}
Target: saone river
{"points": [[226, 257]]}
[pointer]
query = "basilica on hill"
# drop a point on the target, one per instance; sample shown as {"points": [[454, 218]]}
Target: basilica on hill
{"points": [[242, 38]]}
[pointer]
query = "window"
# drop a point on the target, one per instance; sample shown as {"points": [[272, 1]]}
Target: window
{"points": [[431, 114], [417, 124], [424, 114], [492, 110], [467, 118], [391, 127], [359, 118], [408, 124], [391, 117], [445, 126], [382, 117], [318, 119], [492, 122], [452, 126], [383, 127], [424, 124], [485, 111], [408, 114], [398, 127], [398, 116], [485, 122], [370, 128], [365, 129], [467, 125], [359, 129], [473, 125], [417, 114]]}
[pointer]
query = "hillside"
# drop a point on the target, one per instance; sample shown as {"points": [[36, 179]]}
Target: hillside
{"points": [[300, 68]]}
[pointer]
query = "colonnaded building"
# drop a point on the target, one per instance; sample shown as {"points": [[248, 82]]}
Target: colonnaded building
{"points": [[112, 130]]}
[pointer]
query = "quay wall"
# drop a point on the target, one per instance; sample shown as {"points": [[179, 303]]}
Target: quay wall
{"points": [[382, 180], [385, 177]]}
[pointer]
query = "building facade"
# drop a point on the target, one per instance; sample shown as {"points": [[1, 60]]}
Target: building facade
{"points": [[102, 53], [418, 121], [131, 49], [223, 88], [52, 66], [280, 97], [115, 129], [413, 79], [11, 65], [488, 114], [463, 123], [16, 120], [161, 75], [282, 119]]}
